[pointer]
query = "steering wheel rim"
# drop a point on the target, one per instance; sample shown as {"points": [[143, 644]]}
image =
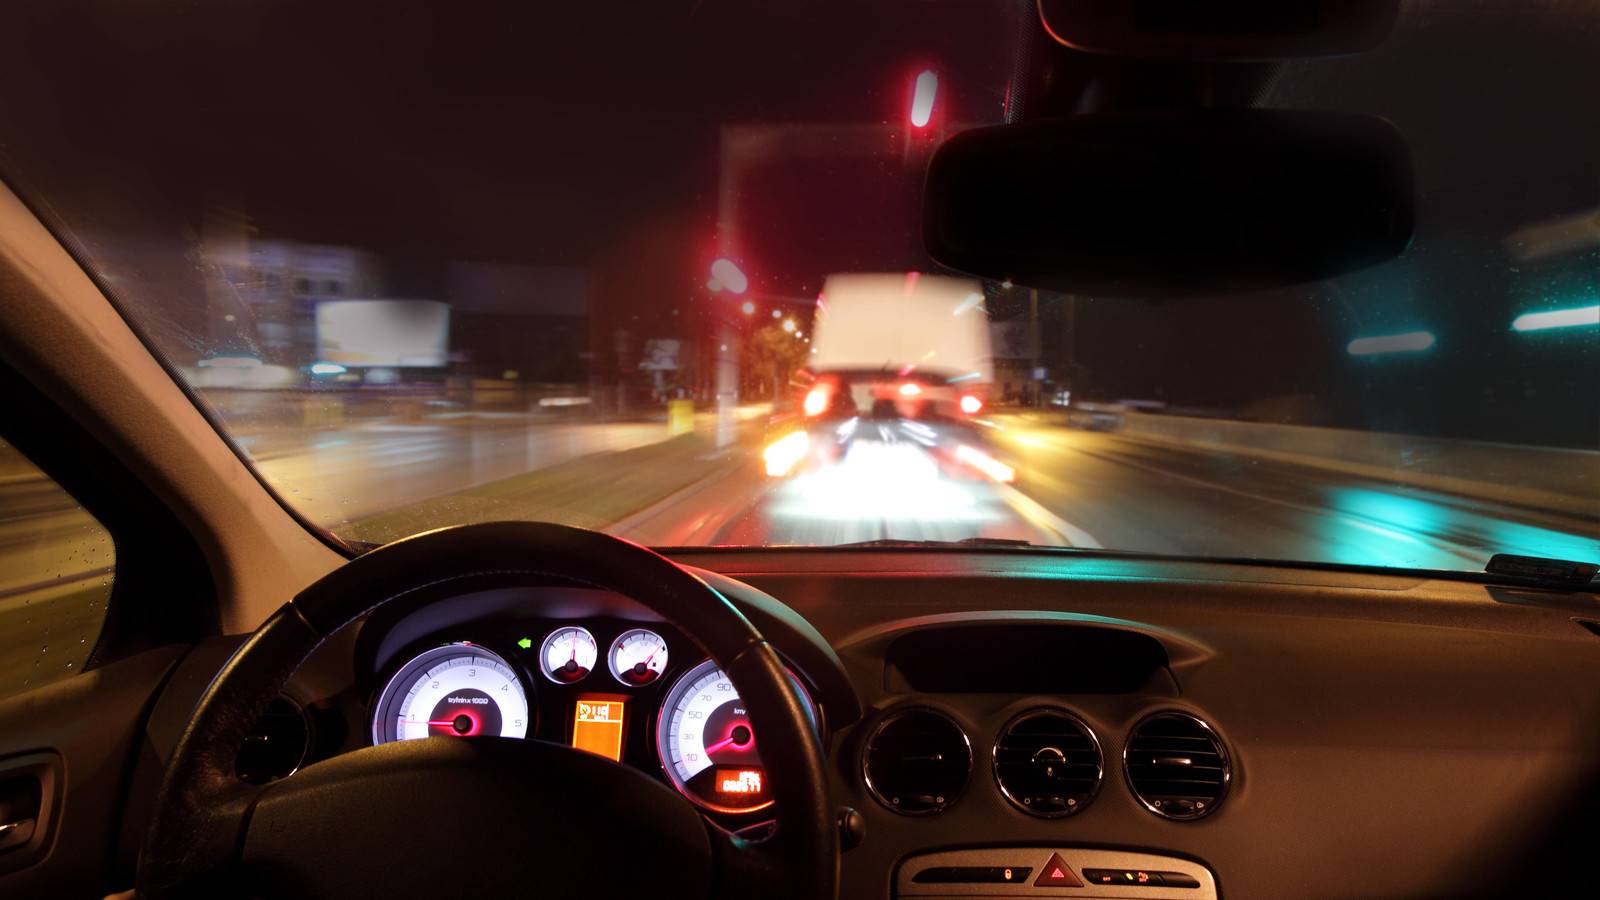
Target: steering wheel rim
{"points": [[203, 812]]}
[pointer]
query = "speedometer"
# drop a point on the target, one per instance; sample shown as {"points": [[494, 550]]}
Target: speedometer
{"points": [[708, 748], [458, 690]]}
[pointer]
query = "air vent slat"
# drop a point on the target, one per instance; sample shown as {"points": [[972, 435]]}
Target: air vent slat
{"points": [[1047, 763], [1177, 766], [917, 761]]}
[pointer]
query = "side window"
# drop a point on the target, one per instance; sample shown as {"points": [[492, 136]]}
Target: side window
{"points": [[56, 566]]}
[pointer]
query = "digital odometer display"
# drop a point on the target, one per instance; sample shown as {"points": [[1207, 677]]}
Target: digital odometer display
{"points": [[458, 690], [707, 745]]}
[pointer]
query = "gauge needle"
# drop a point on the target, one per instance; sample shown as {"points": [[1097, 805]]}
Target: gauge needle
{"points": [[442, 723], [726, 742]]}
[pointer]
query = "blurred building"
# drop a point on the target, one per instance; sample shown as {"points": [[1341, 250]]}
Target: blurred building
{"points": [[519, 323], [262, 295]]}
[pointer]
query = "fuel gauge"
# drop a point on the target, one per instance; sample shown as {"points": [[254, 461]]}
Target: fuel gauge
{"points": [[568, 654], [638, 657]]}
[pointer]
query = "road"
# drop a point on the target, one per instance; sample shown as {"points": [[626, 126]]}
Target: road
{"points": [[1074, 487], [1092, 489]]}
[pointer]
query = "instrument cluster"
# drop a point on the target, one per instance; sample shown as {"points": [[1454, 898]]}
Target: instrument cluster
{"points": [[656, 703]]}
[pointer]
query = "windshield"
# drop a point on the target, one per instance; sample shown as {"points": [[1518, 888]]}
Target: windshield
{"points": [[657, 269]]}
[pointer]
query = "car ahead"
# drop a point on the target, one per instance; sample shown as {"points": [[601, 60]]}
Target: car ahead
{"points": [[359, 535]]}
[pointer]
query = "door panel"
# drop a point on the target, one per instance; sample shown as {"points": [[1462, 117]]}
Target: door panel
{"points": [[86, 731]]}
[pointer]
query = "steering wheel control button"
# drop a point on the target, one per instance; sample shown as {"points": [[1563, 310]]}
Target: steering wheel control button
{"points": [[1056, 873], [991, 872]]}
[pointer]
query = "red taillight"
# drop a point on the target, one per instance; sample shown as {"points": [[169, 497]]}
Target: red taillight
{"points": [[970, 405], [910, 389], [816, 402]]}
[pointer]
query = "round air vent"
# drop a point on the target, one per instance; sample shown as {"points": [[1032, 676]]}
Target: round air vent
{"points": [[1176, 766], [917, 761], [276, 745], [1047, 762]]}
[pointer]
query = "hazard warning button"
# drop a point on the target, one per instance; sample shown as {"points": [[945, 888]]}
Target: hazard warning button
{"points": [[1056, 873]]}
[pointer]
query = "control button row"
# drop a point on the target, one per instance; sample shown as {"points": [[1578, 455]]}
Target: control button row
{"points": [[1140, 878], [973, 875]]}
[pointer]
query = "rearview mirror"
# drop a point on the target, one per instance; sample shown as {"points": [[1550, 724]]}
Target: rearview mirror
{"points": [[1220, 29], [1170, 204]]}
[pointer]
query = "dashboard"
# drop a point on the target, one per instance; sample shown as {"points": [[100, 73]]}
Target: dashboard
{"points": [[1010, 724]]}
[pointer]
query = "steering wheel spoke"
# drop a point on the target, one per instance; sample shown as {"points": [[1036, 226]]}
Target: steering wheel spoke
{"points": [[205, 855]]}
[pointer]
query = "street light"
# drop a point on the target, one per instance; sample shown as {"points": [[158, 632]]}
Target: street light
{"points": [[1405, 342], [748, 308], [1557, 318], [788, 325]]}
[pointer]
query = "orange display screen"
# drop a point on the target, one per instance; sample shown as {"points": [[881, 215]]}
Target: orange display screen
{"points": [[749, 782], [597, 725]]}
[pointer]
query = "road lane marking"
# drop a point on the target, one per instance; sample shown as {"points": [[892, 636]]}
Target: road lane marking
{"points": [[1039, 517]]}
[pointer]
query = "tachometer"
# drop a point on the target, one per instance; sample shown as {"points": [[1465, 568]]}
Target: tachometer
{"points": [[637, 657], [568, 654], [707, 746], [458, 690]]}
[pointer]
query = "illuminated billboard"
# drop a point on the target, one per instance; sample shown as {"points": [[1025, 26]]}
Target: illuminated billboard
{"points": [[397, 333]]}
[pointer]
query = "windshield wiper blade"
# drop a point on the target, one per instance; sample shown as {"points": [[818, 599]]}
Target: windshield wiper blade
{"points": [[1548, 572]]}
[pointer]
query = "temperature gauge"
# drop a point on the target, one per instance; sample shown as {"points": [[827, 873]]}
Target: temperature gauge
{"points": [[638, 657], [568, 654]]}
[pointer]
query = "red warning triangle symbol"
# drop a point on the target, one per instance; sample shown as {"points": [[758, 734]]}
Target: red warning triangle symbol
{"points": [[1057, 873]]}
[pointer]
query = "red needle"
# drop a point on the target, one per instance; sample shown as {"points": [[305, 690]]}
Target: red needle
{"points": [[442, 723], [574, 645], [732, 738]]}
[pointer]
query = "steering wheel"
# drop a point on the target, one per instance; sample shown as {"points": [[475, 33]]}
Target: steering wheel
{"points": [[483, 817]]}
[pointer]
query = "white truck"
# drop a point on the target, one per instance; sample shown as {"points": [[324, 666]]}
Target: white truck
{"points": [[917, 342]]}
